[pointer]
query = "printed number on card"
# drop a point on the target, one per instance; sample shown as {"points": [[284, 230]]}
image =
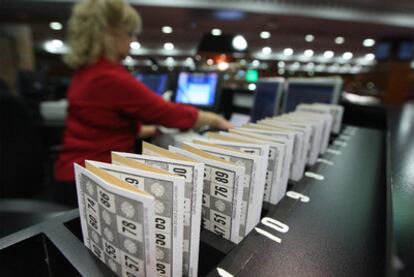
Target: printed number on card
{"points": [[222, 177], [133, 180], [163, 268], [132, 264], [91, 205], [181, 171], [93, 221], [97, 251], [129, 228], [221, 192], [220, 230], [111, 250], [220, 218], [107, 200], [272, 153], [163, 224], [162, 240]]}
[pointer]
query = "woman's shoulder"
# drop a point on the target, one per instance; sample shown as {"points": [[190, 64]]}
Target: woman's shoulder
{"points": [[105, 72]]}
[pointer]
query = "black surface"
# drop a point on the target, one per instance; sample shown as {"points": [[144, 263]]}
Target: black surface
{"points": [[368, 116], [340, 232], [49, 249], [17, 214], [401, 179], [35, 256]]}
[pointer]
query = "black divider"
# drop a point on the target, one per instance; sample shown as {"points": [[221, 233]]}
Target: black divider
{"points": [[35, 256], [74, 226]]}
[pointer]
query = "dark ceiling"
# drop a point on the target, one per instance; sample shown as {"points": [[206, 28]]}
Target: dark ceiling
{"points": [[357, 20]]}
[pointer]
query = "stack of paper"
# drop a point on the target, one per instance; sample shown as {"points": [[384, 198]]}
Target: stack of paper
{"points": [[141, 214]]}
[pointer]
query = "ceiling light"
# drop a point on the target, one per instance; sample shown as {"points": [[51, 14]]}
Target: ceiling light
{"points": [[308, 53], [266, 50], [328, 54], [135, 45], [128, 61], [320, 67], [209, 62], [356, 69], [370, 57], [309, 38], [333, 68], [281, 64], [347, 56], [167, 29], [295, 66], [189, 60], [169, 60], [223, 66], [168, 46], [310, 65], [264, 35], [239, 43], [57, 43], [216, 32], [288, 52], [368, 42], [339, 40], [255, 63], [55, 25], [252, 87], [55, 46]]}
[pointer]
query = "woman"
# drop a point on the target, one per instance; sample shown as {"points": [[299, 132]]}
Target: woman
{"points": [[107, 105]]}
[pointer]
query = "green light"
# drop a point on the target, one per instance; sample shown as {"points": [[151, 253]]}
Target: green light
{"points": [[252, 75]]}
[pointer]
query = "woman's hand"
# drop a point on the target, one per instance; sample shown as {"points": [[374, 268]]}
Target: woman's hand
{"points": [[213, 120], [147, 131]]}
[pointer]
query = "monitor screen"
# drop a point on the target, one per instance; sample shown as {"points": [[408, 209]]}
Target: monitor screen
{"points": [[383, 50], [252, 75], [406, 51], [198, 89], [266, 100], [309, 93], [156, 82]]}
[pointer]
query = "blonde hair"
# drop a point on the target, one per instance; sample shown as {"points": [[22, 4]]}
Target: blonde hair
{"points": [[88, 36]]}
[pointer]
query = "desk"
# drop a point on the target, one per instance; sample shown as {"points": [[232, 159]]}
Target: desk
{"points": [[339, 232], [401, 180]]}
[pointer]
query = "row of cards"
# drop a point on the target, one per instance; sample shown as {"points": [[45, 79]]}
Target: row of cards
{"points": [[141, 214]]}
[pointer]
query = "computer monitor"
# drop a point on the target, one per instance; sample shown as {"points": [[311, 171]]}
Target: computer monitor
{"points": [[267, 98], [156, 82], [311, 90], [200, 89]]}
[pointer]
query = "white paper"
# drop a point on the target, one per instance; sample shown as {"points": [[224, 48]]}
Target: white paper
{"points": [[135, 253], [220, 215]]}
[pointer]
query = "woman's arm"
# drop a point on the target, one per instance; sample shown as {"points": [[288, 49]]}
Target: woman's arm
{"points": [[212, 120]]}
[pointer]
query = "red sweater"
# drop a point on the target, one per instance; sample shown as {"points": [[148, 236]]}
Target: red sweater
{"points": [[107, 106]]}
